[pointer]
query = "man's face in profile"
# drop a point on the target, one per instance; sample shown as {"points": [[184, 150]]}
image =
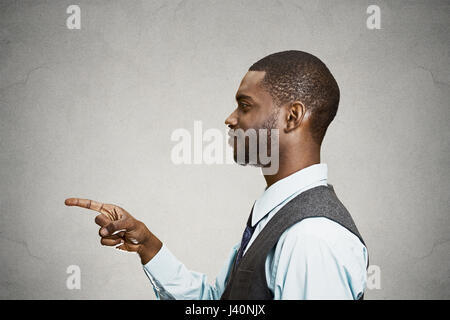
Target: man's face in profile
{"points": [[255, 110]]}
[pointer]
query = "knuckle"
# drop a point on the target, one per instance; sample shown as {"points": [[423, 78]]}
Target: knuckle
{"points": [[111, 227], [98, 219]]}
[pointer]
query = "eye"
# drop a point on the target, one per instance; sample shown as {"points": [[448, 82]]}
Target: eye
{"points": [[244, 105]]}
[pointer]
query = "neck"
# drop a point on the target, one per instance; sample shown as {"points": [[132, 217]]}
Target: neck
{"points": [[294, 161]]}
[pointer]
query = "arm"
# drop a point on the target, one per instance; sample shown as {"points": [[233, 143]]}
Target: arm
{"points": [[172, 280]]}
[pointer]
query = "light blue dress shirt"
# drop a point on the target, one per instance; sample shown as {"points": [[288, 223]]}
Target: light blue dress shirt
{"points": [[315, 258]]}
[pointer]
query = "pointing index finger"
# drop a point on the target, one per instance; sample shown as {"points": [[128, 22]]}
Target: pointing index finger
{"points": [[84, 203]]}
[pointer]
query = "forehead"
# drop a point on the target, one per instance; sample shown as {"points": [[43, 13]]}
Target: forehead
{"points": [[250, 84]]}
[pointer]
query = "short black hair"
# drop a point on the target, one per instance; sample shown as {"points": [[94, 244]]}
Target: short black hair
{"points": [[297, 75]]}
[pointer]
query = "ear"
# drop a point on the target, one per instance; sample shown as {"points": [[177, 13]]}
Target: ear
{"points": [[294, 116]]}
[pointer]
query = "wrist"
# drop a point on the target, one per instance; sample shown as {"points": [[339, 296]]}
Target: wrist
{"points": [[149, 248]]}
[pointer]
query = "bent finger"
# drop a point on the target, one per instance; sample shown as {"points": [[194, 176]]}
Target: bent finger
{"points": [[115, 227], [103, 232], [106, 241], [102, 220], [128, 247]]}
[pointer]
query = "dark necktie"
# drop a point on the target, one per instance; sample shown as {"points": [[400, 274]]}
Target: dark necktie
{"points": [[248, 232]]}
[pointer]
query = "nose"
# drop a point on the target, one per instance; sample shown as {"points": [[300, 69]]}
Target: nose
{"points": [[232, 120]]}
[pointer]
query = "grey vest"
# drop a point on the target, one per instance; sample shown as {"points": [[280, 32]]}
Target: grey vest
{"points": [[248, 281]]}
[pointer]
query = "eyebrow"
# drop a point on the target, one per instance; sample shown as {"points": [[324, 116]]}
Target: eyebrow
{"points": [[241, 96]]}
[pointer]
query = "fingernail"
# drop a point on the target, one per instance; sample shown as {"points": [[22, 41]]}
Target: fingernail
{"points": [[104, 232], [117, 231]]}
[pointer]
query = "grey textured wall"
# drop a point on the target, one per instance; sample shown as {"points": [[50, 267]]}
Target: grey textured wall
{"points": [[90, 113]]}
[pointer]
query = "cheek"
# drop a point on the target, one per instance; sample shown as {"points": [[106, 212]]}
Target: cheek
{"points": [[252, 120], [272, 121]]}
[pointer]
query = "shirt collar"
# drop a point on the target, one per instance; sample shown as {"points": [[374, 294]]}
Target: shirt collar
{"points": [[284, 188]]}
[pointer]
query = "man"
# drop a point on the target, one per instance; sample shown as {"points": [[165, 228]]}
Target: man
{"points": [[300, 242]]}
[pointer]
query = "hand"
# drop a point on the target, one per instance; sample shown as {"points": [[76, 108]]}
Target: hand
{"points": [[120, 229]]}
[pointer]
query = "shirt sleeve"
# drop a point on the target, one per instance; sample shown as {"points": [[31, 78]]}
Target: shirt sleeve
{"points": [[172, 280], [319, 260]]}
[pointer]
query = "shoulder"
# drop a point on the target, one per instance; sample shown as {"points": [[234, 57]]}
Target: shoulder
{"points": [[320, 233], [320, 228]]}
